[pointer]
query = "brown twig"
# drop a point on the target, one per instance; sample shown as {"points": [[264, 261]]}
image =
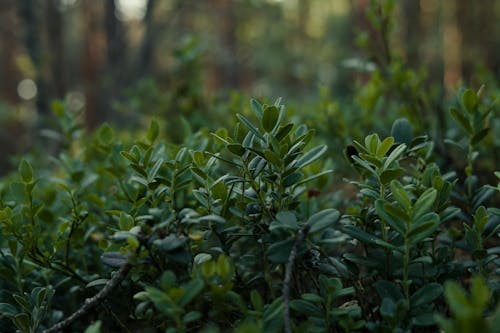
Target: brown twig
{"points": [[288, 276], [92, 302]]}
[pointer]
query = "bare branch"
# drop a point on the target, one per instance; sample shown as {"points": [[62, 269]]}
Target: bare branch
{"points": [[92, 302]]}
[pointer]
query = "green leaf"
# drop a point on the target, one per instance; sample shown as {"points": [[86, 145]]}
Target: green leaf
{"points": [[479, 136], [170, 243], [390, 174], [250, 126], [388, 289], [469, 100], [312, 297], [98, 282], [311, 156], [424, 203], [283, 131], [288, 219], [426, 294], [394, 155], [307, 308], [154, 130], [256, 107], [192, 289], [236, 148], [372, 143], [191, 316], [7, 310], [279, 252], [223, 267], [22, 321], [106, 134], [367, 238], [424, 226], [313, 177], [461, 120], [114, 259], [25, 171], [385, 146], [256, 299], [480, 218], [457, 300], [323, 219], [292, 179], [269, 118], [94, 327], [126, 221], [400, 195], [402, 131], [392, 215]]}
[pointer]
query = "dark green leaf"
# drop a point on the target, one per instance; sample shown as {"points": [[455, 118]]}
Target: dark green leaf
{"points": [[392, 215], [423, 227], [402, 131], [426, 294], [256, 107], [388, 289], [249, 126], [283, 131], [7, 310], [154, 130], [26, 171], [114, 259], [461, 120], [311, 156], [236, 148], [323, 219], [469, 100], [292, 179], [106, 134], [307, 308], [424, 203], [192, 289], [280, 251], [385, 146], [390, 174], [366, 237], [269, 118], [394, 155], [479, 136]]}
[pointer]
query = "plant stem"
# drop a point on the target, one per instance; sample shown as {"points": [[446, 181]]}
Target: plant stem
{"points": [[406, 264]]}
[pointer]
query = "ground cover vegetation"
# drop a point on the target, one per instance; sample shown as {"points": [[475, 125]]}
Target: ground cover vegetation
{"points": [[374, 214]]}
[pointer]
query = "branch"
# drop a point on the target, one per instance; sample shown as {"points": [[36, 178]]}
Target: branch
{"points": [[92, 302], [288, 276]]}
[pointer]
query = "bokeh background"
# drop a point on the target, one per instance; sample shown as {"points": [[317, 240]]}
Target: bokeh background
{"points": [[124, 61]]}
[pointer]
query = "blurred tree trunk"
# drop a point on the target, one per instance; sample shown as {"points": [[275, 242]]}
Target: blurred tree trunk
{"points": [[55, 39], [452, 45], [411, 31], [92, 60], [146, 58], [479, 30], [114, 75], [226, 66], [29, 11], [9, 75]]}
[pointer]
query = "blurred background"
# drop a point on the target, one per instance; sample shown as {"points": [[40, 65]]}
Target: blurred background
{"points": [[123, 61]]}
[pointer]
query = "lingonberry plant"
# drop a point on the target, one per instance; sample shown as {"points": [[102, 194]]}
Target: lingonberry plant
{"points": [[234, 231]]}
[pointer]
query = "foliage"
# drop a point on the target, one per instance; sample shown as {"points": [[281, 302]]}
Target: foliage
{"points": [[231, 231]]}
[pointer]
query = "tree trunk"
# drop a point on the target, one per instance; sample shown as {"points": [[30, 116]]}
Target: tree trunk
{"points": [[92, 60], [29, 11], [55, 39]]}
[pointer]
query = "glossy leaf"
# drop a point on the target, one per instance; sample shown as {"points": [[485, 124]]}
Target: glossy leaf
{"points": [[426, 294], [270, 118]]}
